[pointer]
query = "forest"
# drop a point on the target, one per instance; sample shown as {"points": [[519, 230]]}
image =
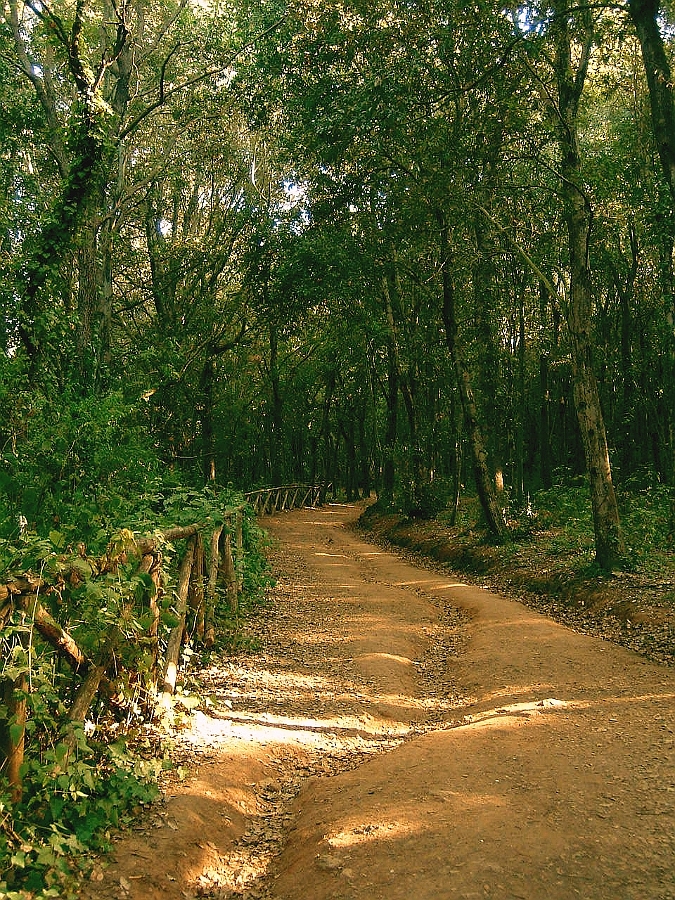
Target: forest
{"points": [[405, 247], [414, 249]]}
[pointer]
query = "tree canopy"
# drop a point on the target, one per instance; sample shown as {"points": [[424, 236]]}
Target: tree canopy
{"points": [[410, 247]]}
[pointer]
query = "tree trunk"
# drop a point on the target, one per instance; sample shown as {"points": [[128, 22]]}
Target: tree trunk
{"points": [[494, 517], [520, 414], [13, 732], [458, 459], [609, 547], [82, 169], [276, 425], [206, 383], [328, 467], [85, 695], [364, 455], [486, 376], [545, 452], [391, 429], [645, 16], [348, 430], [87, 303]]}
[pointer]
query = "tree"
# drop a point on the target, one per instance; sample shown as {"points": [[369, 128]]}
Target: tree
{"points": [[569, 82]]}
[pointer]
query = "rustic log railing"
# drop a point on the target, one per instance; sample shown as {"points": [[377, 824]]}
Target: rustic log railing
{"points": [[290, 496], [209, 556], [195, 597]]}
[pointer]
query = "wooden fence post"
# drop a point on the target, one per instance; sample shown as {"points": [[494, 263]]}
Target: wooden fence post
{"points": [[239, 557], [176, 637], [196, 594], [214, 566], [151, 564], [229, 569]]}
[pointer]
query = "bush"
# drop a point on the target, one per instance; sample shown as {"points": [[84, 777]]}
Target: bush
{"points": [[66, 814], [426, 499], [84, 461]]}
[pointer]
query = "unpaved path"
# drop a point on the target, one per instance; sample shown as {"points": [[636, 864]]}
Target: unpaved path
{"points": [[404, 735]]}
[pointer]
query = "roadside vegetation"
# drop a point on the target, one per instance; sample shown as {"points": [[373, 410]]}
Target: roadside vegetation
{"points": [[86, 634]]}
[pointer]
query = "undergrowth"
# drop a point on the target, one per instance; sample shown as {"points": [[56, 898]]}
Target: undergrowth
{"points": [[75, 794], [68, 811]]}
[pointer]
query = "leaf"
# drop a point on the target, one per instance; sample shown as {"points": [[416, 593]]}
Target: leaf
{"points": [[58, 539], [169, 619], [46, 857], [16, 732]]}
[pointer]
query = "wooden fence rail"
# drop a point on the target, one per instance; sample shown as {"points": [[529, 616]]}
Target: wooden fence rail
{"points": [[290, 496], [210, 556]]}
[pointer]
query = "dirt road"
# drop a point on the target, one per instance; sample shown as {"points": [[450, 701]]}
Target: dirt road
{"points": [[402, 734]]}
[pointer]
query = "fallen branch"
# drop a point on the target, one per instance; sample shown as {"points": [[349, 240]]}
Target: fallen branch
{"points": [[53, 633], [178, 533], [88, 690]]}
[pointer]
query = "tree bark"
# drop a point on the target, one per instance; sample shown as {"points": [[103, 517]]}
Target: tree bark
{"points": [[391, 429], [644, 14], [206, 403], [277, 418], [52, 632], [326, 437], [494, 516], [13, 732], [545, 451], [522, 405], [364, 455], [645, 17], [81, 172], [609, 546]]}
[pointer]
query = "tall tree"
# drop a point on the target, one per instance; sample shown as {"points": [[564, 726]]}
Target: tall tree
{"points": [[574, 36]]}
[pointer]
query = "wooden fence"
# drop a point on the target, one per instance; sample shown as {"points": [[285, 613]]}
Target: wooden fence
{"points": [[207, 556], [291, 496]]}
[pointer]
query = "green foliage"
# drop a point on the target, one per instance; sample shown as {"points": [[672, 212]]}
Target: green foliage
{"points": [[560, 521], [425, 499], [646, 521], [185, 505], [85, 461], [69, 808], [78, 793]]}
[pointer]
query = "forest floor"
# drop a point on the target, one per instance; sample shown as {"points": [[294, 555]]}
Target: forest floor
{"points": [[402, 733]]}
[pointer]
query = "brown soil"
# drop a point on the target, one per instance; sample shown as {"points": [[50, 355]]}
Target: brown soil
{"points": [[633, 608], [403, 734]]}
